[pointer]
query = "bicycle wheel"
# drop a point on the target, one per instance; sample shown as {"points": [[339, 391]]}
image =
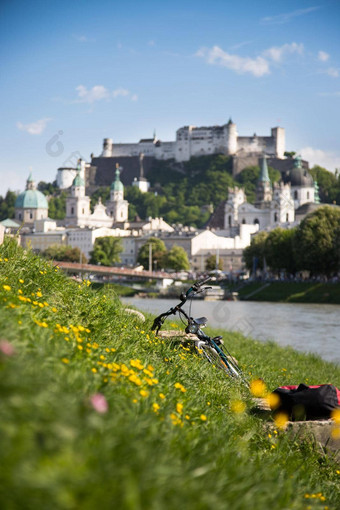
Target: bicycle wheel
{"points": [[215, 359]]}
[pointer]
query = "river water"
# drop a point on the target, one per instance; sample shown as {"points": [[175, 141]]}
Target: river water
{"points": [[305, 327]]}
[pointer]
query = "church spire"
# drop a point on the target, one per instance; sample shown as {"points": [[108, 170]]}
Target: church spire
{"points": [[264, 176]]}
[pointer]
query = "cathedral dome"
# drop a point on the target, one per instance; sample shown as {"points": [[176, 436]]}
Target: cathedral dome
{"points": [[301, 177], [117, 184], [31, 199]]}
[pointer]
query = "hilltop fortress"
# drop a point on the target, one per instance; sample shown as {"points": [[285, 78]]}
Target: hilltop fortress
{"points": [[201, 141], [138, 158]]}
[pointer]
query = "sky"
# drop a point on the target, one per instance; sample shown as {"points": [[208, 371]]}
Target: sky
{"points": [[74, 72]]}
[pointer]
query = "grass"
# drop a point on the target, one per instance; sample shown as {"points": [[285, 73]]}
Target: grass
{"points": [[293, 292], [96, 411]]}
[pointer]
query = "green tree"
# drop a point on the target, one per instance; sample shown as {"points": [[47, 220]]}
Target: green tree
{"points": [[106, 251], [279, 251], [210, 263], [57, 206], [64, 253], [158, 253], [177, 259], [254, 254], [317, 242], [7, 205], [329, 184]]}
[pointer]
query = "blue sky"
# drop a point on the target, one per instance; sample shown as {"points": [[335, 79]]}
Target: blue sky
{"points": [[75, 72]]}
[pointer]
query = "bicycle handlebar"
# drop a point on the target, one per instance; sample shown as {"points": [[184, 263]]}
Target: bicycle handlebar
{"points": [[194, 289]]}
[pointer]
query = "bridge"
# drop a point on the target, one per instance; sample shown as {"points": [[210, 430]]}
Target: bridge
{"points": [[77, 267]]}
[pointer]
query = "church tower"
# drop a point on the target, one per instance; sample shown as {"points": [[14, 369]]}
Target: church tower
{"points": [[78, 204], [264, 192], [117, 207]]}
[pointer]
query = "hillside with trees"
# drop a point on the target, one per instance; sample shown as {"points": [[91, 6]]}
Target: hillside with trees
{"points": [[185, 193]]}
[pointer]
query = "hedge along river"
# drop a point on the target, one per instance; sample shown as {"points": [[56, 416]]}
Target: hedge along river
{"points": [[305, 327]]}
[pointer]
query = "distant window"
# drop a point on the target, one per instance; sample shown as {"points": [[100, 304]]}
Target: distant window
{"points": [[19, 215], [83, 211], [287, 217], [72, 210], [229, 220], [256, 221], [275, 216], [295, 195], [31, 215], [243, 221], [307, 195]]}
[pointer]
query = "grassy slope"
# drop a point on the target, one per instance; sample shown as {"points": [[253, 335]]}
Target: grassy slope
{"points": [[191, 449], [293, 292]]}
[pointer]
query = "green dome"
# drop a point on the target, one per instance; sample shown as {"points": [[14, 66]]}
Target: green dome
{"points": [[78, 181], [31, 199], [117, 185]]}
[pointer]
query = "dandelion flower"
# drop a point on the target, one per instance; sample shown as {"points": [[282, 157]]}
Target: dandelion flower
{"points": [[6, 287], [281, 420], [258, 388]]}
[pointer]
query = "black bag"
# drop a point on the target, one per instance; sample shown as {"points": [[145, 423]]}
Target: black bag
{"points": [[307, 402]]}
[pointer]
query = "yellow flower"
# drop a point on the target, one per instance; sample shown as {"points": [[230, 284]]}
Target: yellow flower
{"points": [[155, 407], [94, 370], [21, 280], [65, 360], [237, 406], [162, 396], [144, 393], [273, 400], [258, 388], [179, 408], [39, 294], [179, 386], [203, 417], [281, 420], [335, 415], [6, 287]]}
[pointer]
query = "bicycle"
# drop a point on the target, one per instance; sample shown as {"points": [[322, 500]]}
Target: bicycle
{"points": [[212, 348]]}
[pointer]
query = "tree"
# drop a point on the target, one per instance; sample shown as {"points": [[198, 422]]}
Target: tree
{"points": [[254, 254], [329, 184], [177, 259], [158, 253], [7, 205], [317, 242], [279, 251], [64, 253], [106, 251], [210, 263], [57, 206]]}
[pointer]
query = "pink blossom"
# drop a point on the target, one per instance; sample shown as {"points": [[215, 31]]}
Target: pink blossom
{"points": [[6, 348], [99, 403]]}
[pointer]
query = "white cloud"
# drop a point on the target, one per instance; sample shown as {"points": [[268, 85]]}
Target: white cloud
{"points": [[286, 17], [120, 92], [97, 93], [332, 71], [101, 93], [329, 160], [34, 128], [257, 66], [276, 53], [323, 56]]}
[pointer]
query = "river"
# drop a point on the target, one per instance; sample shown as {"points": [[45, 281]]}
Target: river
{"points": [[305, 327]]}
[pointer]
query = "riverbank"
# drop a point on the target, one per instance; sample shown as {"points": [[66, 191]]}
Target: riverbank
{"points": [[105, 414], [291, 292]]}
